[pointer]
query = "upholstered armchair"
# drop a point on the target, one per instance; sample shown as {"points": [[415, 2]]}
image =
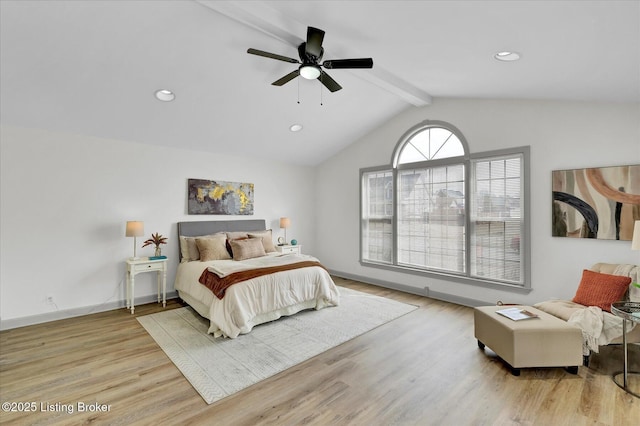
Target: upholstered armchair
{"points": [[590, 309]]}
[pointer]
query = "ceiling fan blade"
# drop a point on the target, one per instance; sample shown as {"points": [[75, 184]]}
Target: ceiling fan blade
{"points": [[348, 63], [328, 82], [272, 56], [314, 41], [287, 78]]}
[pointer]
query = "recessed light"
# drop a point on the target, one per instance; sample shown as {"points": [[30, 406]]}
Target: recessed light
{"points": [[507, 56], [295, 127], [165, 95]]}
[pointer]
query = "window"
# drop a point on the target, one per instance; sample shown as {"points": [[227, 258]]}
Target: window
{"points": [[440, 210], [377, 235], [431, 218], [496, 219]]}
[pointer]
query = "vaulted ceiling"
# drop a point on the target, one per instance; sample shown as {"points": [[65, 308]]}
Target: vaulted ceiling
{"points": [[92, 67]]}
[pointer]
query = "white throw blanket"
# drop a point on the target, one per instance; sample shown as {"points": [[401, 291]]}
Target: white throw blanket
{"points": [[226, 267], [598, 327]]}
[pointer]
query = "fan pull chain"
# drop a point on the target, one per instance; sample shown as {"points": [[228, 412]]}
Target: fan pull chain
{"points": [[321, 90], [298, 91]]}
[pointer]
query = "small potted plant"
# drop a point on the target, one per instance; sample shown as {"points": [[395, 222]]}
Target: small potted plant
{"points": [[156, 239]]}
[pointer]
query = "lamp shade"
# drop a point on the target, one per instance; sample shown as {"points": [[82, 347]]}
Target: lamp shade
{"points": [[285, 222], [134, 229], [635, 243]]}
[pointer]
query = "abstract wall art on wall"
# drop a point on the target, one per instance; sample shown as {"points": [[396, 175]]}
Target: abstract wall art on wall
{"points": [[601, 202], [215, 197]]}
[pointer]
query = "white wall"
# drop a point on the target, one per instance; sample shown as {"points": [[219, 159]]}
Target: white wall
{"points": [[66, 198], [562, 135]]}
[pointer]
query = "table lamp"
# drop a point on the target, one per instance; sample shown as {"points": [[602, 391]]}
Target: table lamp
{"points": [[285, 222], [134, 229]]}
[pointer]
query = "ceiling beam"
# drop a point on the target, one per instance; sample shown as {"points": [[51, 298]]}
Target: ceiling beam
{"points": [[264, 18]]}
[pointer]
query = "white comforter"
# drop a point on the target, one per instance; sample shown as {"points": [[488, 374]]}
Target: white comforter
{"points": [[258, 300]]}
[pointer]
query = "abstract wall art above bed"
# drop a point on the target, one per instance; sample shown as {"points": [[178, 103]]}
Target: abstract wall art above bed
{"points": [[600, 203], [216, 197]]}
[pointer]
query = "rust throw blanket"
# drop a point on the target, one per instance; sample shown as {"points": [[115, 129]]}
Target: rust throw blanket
{"points": [[220, 285]]}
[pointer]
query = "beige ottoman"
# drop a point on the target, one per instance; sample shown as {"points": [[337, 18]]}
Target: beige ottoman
{"points": [[546, 341]]}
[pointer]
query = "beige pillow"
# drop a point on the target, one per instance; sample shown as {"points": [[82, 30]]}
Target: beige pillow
{"points": [[236, 235], [247, 249], [213, 248], [189, 248], [184, 250], [194, 253], [267, 239]]}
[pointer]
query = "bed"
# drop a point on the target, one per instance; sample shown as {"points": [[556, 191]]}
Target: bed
{"points": [[293, 282]]}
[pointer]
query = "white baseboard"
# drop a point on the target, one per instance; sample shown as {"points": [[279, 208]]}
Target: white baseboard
{"points": [[76, 312], [445, 297]]}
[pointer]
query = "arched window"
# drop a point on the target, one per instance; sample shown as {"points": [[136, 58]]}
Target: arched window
{"points": [[430, 143], [439, 209]]}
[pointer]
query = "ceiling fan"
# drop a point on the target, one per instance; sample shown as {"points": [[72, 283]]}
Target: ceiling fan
{"points": [[310, 53]]}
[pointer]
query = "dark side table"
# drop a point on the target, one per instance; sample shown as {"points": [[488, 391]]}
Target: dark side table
{"points": [[628, 311]]}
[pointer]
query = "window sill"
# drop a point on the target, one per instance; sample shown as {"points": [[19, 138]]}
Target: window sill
{"points": [[460, 279]]}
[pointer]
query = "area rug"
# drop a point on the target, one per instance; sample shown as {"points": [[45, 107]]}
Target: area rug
{"points": [[220, 367]]}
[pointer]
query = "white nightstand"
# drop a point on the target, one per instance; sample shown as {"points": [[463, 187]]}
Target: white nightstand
{"points": [[143, 264], [286, 249]]}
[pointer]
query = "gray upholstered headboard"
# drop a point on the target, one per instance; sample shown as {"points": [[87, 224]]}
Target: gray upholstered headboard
{"points": [[208, 227]]}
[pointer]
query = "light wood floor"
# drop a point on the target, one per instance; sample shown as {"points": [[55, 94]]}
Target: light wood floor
{"points": [[422, 369]]}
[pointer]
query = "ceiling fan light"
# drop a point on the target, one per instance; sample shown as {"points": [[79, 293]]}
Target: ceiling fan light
{"points": [[310, 72]]}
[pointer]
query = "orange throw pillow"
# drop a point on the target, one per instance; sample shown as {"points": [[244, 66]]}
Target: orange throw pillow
{"points": [[601, 290]]}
